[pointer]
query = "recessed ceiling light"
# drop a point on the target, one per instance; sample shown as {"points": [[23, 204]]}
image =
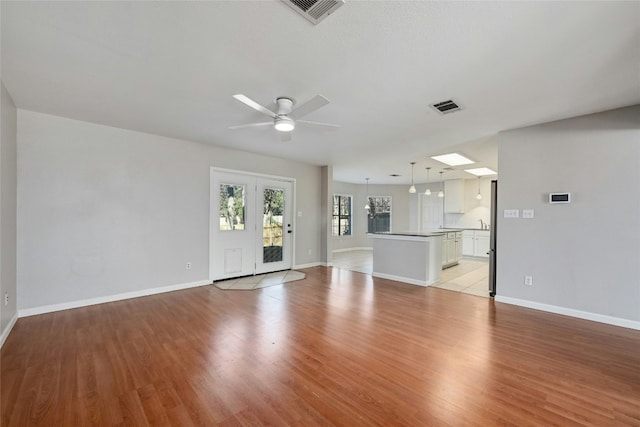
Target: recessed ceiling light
{"points": [[481, 171], [453, 159], [395, 175]]}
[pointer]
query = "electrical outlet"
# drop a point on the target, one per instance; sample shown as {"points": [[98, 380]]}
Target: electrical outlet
{"points": [[528, 280], [188, 266], [6, 299]]}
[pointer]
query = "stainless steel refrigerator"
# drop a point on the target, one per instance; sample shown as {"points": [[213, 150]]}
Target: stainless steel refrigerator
{"points": [[492, 238]]}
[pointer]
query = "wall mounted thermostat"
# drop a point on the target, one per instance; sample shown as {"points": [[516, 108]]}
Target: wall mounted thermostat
{"points": [[559, 197]]}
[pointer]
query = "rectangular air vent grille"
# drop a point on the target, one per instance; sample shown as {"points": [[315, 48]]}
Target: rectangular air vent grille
{"points": [[314, 10], [446, 107]]}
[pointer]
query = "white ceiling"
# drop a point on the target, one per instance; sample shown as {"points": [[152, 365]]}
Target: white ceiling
{"points": [[171, 68]]}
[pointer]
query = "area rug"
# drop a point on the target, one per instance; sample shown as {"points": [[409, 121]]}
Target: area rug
{"points": [[260, 281]]}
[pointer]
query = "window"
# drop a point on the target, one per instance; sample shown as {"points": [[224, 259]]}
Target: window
{"points": [[379, 217], [231, 207], [341, 222]]}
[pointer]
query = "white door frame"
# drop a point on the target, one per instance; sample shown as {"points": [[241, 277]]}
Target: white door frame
{"points": [[213, 215]]}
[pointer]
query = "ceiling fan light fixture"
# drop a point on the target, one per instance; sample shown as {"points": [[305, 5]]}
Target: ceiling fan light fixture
{"points": [[284, 124]]}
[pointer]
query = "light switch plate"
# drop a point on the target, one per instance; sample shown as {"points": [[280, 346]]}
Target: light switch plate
{"points": [[527, 213], [512, 213]]}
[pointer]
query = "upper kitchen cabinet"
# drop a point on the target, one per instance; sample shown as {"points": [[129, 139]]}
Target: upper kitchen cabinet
{"points": [[454, 196]]}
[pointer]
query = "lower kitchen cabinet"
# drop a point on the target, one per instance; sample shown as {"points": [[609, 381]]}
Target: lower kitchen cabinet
{"points": [[475, 243], [451, 248]]}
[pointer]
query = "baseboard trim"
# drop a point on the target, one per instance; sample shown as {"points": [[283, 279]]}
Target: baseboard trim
{"points": [[309, 265], [8, 329], [26, 312], [601, 318], [402, 279], [364, 248]]}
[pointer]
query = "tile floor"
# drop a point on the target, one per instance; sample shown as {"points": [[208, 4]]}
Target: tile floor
{"points": [[250, 283], [470, 276]]}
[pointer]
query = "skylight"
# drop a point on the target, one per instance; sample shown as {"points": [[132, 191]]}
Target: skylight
{"points": [[481, 171], [453, 159]]}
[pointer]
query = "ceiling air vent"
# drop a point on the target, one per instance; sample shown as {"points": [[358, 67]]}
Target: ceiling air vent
{"points": [[314, 10], [446, 107]]}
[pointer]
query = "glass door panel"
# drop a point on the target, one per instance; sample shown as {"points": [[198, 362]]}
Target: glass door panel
{"points": [[232, 207], [272, 224], [275, 239]]}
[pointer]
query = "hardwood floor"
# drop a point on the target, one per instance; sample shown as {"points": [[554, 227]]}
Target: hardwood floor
{"points": [[337, 348]]}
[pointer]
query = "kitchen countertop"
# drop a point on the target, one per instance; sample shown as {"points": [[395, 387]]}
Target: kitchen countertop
{"points": [[436, 232], [412, 233], [466, 228]]}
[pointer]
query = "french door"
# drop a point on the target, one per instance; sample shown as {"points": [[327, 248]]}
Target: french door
{"points": [[251, 224], [275, 230]]}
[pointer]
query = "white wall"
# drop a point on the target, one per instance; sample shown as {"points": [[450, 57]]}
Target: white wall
{"points": [[104, 211], [585, 256], [8, 313], [400, 211]]}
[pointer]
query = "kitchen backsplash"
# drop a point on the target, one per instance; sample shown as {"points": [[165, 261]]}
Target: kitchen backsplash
{"points": [[470, 219]]}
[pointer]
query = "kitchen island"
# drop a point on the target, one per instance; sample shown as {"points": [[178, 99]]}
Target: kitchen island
{"points": [[410, 257]]}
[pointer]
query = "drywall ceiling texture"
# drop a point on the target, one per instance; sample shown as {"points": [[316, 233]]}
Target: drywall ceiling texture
{"points": [[583, 256], [104, 211], [171, 68]]}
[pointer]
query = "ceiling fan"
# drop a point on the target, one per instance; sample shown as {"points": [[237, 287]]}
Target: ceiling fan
{"points": [[285, 117]]}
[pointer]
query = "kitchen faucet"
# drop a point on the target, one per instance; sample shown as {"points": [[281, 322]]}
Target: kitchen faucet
{"points": [[482, 225]]}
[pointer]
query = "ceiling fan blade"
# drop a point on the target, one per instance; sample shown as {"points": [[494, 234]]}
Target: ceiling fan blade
{"points": [[311, 105], [253, 104], [251, 125], [318, 125], [285, 136]]}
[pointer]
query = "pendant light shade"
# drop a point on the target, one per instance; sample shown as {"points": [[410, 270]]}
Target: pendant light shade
{"points": [[479, 195], [441, 192], [412, 189], [366, 206], [427, 192]]}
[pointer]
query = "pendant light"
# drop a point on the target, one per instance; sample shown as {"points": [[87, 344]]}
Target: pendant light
{"points": [[412, 189], [479, 196], [441, 192], [366, 206], [427, 192]]}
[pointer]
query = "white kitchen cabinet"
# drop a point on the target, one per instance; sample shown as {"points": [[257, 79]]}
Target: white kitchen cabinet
{"points": [[468, 242], [451, 248], [482, 244], [445, 251], [475, 243], [454, 196]]}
